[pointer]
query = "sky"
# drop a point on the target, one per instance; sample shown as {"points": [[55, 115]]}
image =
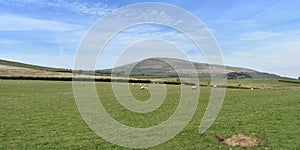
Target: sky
{"points": [[257, 34]]}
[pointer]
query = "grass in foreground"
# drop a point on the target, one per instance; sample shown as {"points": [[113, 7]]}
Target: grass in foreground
{"points": [[43, 114]]}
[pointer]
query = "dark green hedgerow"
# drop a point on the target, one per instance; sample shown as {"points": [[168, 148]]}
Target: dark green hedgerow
{"points": [[36, 78], [113, 80], [73, 79], [86, 79], [290, 81]]}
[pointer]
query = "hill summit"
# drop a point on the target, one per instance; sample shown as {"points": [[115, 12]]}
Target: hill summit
{"points": [[160, 67]]}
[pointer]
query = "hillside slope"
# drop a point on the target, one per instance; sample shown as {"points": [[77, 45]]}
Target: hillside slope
{"points": [[9, 68], [151, 67], [159, 67], [29, 66]]}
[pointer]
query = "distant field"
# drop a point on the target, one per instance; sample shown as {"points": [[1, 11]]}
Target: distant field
{"points": [[43, 115]]}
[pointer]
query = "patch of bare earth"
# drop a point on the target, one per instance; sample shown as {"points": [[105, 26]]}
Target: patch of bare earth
{"points": [[239, 140]]}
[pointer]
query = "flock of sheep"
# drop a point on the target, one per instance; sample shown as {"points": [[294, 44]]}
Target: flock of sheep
{"points": [[145, 87]]}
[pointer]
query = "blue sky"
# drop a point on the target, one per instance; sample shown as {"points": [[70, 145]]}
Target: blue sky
{"points": [[261, 35]]}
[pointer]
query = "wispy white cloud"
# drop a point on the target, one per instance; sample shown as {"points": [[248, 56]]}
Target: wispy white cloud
{"points": [[256, 36], [277, 57], [10, 42], [79, 7], [83, 7], [11, 22]]}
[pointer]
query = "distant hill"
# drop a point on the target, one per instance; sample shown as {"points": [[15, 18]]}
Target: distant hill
{"points": [[151, 67], [10, 68], [157, 67], [29, 66]]}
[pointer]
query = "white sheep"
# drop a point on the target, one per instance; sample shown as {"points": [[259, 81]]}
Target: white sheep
{"points": [[194, 87], [143, 88]]}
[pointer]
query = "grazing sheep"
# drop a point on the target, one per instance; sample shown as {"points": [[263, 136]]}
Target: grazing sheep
{"points": [[252, 89], [215, 86], [194, 87], [143, 88]]}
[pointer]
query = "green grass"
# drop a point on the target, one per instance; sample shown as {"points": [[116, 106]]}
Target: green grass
{"points": [[43, 115]]}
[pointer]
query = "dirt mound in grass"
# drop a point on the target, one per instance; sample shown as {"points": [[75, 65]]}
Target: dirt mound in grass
{"points": [[239, 140]]}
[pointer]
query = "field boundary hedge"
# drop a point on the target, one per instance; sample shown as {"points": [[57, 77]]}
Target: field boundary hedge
{"points": [[86, 79], [290, 81], [146, 81]]}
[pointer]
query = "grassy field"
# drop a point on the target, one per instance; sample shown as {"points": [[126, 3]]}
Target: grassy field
{"points": [[43, 115]]}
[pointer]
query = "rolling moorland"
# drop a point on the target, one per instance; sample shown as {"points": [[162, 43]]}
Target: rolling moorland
{"points": [[151, 67], [10, 68], [43, 114], [160, 67]]}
